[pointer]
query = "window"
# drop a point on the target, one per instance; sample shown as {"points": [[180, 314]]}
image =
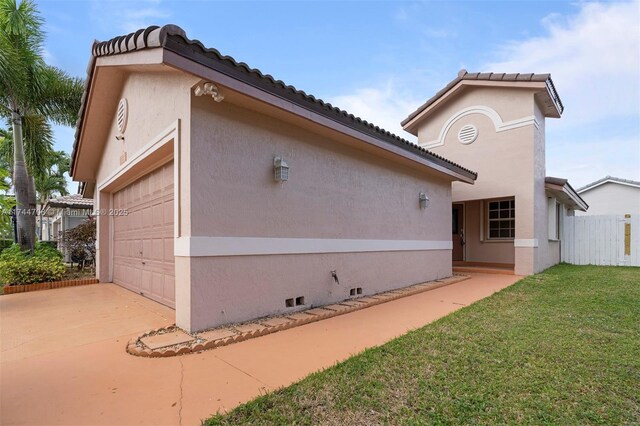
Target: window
{"points": [[559, 214], [501, 216], [454, 223], [555, 212]]}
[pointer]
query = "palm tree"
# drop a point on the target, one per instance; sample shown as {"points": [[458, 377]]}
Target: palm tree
{"points": [[38, 146], [7, 202], [30, 90], [52, 182]]}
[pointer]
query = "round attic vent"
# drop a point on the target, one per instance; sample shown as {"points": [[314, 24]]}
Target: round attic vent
{"points": [[468, 134], [122, 115]]}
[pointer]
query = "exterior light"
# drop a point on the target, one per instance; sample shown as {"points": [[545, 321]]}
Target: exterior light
{"points": [[423, 200], [209, 89], [280, 169]]}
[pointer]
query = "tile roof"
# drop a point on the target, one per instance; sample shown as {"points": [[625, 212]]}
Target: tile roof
{"points": [[609, 179], [173, 38], [572, 193], [72, 201], [555, 180], [487, 76]]}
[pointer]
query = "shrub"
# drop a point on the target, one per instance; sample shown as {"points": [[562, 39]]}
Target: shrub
{"points": [[18, 267], [81, 242], [53, 244], [44, 250], [5, 244]]}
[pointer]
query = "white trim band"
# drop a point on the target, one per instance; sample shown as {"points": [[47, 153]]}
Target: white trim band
{"points": [[251, 246], [525, 242], [500, 126]]}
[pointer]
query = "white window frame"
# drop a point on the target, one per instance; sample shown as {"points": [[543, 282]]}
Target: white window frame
{"points": [[488, 219]]}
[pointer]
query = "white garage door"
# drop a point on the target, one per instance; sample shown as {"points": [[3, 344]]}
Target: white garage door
{"points": [[143, 239]]}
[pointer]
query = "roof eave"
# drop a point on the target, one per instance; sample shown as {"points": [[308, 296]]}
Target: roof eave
{"points": [[173, 40], [409, 123], [606, 180], [567, 193]]}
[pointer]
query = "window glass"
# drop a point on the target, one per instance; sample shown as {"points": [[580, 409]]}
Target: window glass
{"points": [[501, 219]]}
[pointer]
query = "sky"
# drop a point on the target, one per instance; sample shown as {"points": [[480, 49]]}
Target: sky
{"points": [[381, 60]]}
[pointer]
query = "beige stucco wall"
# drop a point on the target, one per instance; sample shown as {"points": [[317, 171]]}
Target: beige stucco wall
{"points": [[478, 249], [156, 100], [510, 163], [612, 198], [334, 192]]}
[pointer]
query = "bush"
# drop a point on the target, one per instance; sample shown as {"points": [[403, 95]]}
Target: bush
{"points": [[44, 250], [81, 243], [5, 244], [53, 244], [18, 267]]}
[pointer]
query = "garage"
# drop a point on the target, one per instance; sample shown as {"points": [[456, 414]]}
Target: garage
{"points": [[143, 258]]}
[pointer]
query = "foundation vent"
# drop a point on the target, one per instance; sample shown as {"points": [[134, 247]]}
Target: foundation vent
{"points": [[468, 134], [293, 302], [122, 115]]}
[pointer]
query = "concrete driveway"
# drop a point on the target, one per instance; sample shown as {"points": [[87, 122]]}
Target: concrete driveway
{"points": [[63, 358]]}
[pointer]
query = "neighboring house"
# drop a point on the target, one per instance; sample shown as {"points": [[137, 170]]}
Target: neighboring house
{"points": [[64, 213], [495, 124], [229, 195], [611, 195]]}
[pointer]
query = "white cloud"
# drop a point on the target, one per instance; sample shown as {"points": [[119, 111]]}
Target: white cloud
{"points": [[48, 57], [593, 57], [128, 16], [594, 60], [587, 160], [385, 106]]}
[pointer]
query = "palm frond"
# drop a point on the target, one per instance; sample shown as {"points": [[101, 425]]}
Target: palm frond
{"points": [[21, 39], [38, 144], [48, 186], [6, 150], [60, 95]]}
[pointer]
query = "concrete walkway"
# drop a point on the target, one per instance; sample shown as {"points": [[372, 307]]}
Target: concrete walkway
{"points": [[63, 359]]}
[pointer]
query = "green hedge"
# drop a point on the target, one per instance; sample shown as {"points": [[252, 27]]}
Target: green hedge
{"points": [[44, 264], [5, 244], [53, 244]]}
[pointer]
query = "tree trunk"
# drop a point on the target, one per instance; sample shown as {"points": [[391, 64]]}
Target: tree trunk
{"points": [[33, 207], [21, 186]]}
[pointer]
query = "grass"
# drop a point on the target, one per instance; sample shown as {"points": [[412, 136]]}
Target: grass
{"points": [[560, 347]]}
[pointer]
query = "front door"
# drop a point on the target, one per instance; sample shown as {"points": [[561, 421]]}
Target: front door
{"points": [[457, 232]]}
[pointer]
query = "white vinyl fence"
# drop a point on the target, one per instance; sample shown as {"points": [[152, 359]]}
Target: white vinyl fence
{"points": [[601, 240]]}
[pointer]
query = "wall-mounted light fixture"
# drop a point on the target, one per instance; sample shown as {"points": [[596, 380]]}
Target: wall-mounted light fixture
{"points": [[209, 89], [423, 200], [280, 169]]}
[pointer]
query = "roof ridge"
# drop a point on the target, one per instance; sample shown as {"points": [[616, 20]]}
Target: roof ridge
{"points": [[463, 74], [606, 178]]}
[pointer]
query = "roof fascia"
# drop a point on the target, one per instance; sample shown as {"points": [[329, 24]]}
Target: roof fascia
{"points": [[569, 192], [597, 184], [180, 62], [140, 57], [411, 126]]}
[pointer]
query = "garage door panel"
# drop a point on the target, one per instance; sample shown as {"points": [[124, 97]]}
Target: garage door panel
{"points": [[169, 284], [168, 249], [143, 240], [157, 283], [147, 282]]}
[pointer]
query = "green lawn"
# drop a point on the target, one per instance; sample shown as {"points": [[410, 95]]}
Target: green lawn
{"points": [[561, 347]]}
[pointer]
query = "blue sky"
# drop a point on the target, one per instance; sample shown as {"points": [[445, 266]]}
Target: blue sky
{"points": [[380, 60]]}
